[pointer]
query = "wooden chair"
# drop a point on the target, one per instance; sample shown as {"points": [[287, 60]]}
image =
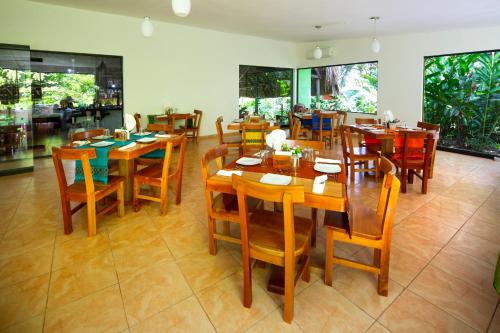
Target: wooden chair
{"points": [[432, 129], [137, 118], [230, 142], [325, 128], [290, 121], [253, 137], [315, 145], [340, 120], [371, 143], [295, 129], [279, 239], [86, 135], [357, 156], [159, 175], [87, 192], [156, 156], [194, 131], [413, 154], [179, 117], [220, 206], [365, 227]]}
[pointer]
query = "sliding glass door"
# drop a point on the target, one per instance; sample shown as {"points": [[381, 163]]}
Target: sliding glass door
{"points": [[16, 138]]}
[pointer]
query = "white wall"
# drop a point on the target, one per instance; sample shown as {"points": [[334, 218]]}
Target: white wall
{"points": [[181, 66], [401, 62]]}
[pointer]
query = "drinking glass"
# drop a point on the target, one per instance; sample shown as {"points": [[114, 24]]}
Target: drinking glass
{"points": [[295, 163], [106, 132], [264, 155]]}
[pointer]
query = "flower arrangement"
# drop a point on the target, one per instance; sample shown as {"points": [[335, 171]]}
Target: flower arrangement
{"points": [[170, 110], [296, 151]]}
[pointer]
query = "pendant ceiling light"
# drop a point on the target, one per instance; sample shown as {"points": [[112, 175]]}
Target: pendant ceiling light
{"points": [[375, 42], [318, 53], [147, 27], [181, 7]]}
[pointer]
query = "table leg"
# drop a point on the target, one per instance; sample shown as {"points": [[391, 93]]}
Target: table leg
{"points": [[387, 147], [126, 169]]}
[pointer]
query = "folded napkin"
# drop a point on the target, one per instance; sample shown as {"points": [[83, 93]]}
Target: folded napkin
{"points": [[130, 145], [274, 179], [81, 143], [319, 184], [162, 135], [283, 153], [229, 173], [326, 160]]}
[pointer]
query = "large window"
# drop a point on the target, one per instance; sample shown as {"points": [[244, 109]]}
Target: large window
{"points": [[351, 87], [462, 94], [266, 91]]}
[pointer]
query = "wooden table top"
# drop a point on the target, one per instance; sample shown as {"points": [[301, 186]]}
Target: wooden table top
{"points": [[379, 133], [236, 126], [334, 196], [139, 149], [175, 116]]}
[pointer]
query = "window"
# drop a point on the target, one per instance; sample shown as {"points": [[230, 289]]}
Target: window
{"points": [[266, 91], [351, 87], [462, 95]]}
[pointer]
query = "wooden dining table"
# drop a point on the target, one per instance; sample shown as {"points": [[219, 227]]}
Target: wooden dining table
{"points": [[126, 159], [236, 125]]}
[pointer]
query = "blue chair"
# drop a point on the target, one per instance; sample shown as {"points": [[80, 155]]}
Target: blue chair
{"points": [[323, 126]]}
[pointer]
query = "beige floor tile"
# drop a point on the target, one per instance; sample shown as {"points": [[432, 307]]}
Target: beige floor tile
{"points": [[22, 301], [360, 288], [223, 302], [471, 193], [183, 241], [274, 323], [75, 251], [202, 270], [101, 311], [333, 314], [489, 212], [445, 210], [186, 316], [377, 328], [132, 232], [487, 231], [146, 252], [495, 322], [453, 295], [74, 282], [416, 224], [469, 269], [33, 325], [25, 266], [152, 289], [20, 239], [413, 242], [475, 246], [177, 217], [412, 313], [405, 265]]}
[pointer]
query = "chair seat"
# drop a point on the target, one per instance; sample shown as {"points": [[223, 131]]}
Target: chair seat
{"points": [[363, 222], [266, 233], [362, 152], [77, 191]]}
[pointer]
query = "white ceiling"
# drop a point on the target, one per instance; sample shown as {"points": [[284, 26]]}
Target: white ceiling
{"points": [[293, 20]]}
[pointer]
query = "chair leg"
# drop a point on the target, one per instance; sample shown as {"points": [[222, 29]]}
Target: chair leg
{"points": [[67, 219], [289, 290], [247, 280], [314, 217], [135, 199], [328, 256], [163, 201], [425, 178], [121, 199], [178, 190], [91, 217], [383, 278], [352, 171], [212, 242], [376, 170], [403, 180], [411, 174], [306, 274]]}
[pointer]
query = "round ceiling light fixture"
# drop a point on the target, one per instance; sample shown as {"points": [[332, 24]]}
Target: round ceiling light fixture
{"points": [[181, 8], [147, 27], [317, 53], [375, 43]]}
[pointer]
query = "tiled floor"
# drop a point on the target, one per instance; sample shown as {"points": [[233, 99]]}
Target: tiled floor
{"points": [[146, 273]]}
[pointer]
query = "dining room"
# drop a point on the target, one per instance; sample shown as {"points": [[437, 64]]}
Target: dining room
{"points": [[270, 167]]}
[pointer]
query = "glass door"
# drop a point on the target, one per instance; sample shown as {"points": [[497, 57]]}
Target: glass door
{"points": [[16, 138]]}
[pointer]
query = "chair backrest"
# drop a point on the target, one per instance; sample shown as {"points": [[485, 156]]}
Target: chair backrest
{"points": [[180, 142], [79, 136], [218, 153], [388, 198], [220, 133], [83, 155], [254, 119], [346, 140], [290, 120], [158, 127], [253, 136], [137, 118], [361, 121], [287, 195], [197, 120], [429, 126], [342, 119], [295, 129], [414, 145]]}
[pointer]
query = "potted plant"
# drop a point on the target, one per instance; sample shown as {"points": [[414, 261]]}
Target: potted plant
{"points": [[392, 124]]}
